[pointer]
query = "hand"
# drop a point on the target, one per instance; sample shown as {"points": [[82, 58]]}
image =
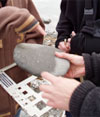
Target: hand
{"points": [[73, 34], [36, 35], [65, 46], [77, 66], [39, 29], [59, 92]]}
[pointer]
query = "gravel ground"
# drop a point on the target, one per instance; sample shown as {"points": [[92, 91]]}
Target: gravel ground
{"points": [[50, 39]]}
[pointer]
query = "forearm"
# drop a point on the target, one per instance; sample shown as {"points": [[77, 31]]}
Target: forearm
{"points": [[34, 12], [83, 98], [64, 26], [64, 29], [92, 66], [77, 44], [84, 44], [34, 37], [14, 23]]}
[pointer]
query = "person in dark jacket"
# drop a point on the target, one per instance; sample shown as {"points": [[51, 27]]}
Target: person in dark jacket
{"points": [[70, 24], [72, 19], [81, 99]]}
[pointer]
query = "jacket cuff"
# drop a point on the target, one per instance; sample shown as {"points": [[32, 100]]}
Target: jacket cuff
{"points": [[77, 44], [58, 41], [88, 67], [27, 26], [78, 97]]}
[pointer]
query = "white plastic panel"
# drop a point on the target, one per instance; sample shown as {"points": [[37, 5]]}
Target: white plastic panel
{"points": [[28, 96]]}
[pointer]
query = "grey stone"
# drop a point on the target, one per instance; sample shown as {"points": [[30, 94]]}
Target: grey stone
{"points": [[36, 58], [46, 20]]}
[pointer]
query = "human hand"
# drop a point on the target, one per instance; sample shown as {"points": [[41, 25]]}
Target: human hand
{"points": [[77, 65], [65, 46], [36, 35], [73, 34], [40, 30], [59, 92]]}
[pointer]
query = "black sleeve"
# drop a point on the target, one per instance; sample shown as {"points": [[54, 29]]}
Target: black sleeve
{"points": [[64, 26], [84, 43], [77, 44], [92, 67], [85, 101], [92, 44]]}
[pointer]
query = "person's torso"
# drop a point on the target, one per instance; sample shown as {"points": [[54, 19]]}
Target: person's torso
{"points": [[17, 3], [75, 12], [6, 58]]}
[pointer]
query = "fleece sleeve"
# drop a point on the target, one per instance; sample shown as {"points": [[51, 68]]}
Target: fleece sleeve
{"points": [[92, 66], [16, 22], [31, 36], [84, 43], [85, 101]]}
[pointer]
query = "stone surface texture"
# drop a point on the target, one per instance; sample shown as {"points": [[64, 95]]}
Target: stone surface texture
{"points": [[36, 58]]}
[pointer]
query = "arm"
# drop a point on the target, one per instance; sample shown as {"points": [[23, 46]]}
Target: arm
{"points": [[82, 43], [86, 65], [77, 44], [18, 22], [68, 94], [34, 37], [32, 9], [64, 26], [85, 101], [92, 68]]}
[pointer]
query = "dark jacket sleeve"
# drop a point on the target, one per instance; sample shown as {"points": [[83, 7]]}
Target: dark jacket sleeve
{"points": [[64, 26], [92, 66], [77, 44], [83, 43], [85, 101]]}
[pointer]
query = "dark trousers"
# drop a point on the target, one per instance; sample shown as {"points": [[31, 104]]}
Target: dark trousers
{"points": [[68, 114]]}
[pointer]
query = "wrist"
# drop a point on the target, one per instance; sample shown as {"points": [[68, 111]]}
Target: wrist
{"points": [[74, 86], [83, 66]]}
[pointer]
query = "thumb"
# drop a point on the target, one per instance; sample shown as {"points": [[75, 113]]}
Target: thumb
{"points": [[40, 30], [48, 76], [73, 33], [63, 55]]}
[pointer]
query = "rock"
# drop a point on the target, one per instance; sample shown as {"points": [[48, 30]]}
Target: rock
{"points": [[46, 20], [36, 58]]}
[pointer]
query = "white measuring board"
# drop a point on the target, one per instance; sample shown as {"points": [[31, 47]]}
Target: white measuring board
{"points": [[28, 96]]}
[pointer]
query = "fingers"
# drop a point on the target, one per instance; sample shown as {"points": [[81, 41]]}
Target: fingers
{"points": [[40, 30], [69, 40], [51, 78], [73, 33], [65, 55], [68, 45], [62, 46], [46, 95], [51, 103], [46, 88], [65, 46]]}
